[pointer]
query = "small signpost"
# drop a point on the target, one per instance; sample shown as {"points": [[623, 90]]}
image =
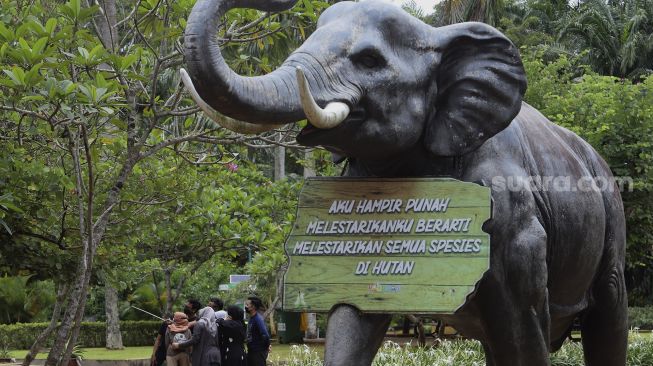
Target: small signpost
{"points": [[410, 245], [234, 279]]}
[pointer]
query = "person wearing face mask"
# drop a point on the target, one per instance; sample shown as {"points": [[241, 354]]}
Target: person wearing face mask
{"points": [[217, 304], [204, 340], [191, 308], [258, 338]]}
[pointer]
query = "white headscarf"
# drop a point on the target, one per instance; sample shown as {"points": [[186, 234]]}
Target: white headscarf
{"points": [[207, 317]]}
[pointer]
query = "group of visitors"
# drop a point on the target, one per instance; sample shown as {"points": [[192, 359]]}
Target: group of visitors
{"points": [[211, 336]]}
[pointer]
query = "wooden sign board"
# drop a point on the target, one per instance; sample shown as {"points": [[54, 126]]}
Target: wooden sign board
{"points": [[410, 245]]}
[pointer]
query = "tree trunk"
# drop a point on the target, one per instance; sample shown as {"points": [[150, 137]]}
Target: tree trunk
{"points": [[114, 339], [62, 292], [106, 21], [77, 325], [69, 329], [157, 292], [87, 266], [169, 299], [279, 163], [309, 164], [69, 320], [66, 336], [273, 328]]}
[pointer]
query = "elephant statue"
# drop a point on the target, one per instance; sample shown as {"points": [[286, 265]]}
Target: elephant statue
{"points": [[399, 98]]}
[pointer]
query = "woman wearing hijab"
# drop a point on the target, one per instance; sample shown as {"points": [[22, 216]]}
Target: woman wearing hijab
{"points": [[232, 337], [204, 340], [177, 332]]}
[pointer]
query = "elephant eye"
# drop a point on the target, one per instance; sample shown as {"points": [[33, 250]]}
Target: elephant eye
{"points": [[369, 58]]}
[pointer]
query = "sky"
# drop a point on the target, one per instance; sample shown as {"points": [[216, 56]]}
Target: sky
{"points": [[426, 5]]}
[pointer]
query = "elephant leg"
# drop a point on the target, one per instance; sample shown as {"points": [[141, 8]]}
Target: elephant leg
{"points": [[488, 358], [353, 338], [513, 301], [604, 326], [516, 337]]}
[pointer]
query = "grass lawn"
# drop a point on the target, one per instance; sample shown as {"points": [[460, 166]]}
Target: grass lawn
{"points": [[641, 347], [129, 353], [279, 352]]}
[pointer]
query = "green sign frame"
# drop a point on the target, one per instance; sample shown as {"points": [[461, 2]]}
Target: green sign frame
{"points": [[410, 245]]}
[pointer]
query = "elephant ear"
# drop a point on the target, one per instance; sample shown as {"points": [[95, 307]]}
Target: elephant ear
{"points": [[480, 85]]}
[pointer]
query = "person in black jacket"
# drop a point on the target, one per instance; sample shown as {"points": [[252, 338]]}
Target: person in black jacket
{"points": [[258, 338], [232, 337], [159, 350]]}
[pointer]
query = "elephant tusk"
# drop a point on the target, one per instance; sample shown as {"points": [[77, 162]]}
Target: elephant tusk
{"points": [[224, 121], [329, 117]]}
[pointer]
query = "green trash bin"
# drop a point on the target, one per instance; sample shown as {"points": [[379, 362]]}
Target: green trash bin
{"points": [[288, 328]]}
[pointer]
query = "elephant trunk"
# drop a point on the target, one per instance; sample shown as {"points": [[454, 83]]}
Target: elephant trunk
{"points": [[273, 98]]}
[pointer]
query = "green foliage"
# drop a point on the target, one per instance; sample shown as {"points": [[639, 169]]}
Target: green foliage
{"points": [[617, 36], [640, 318], [92, 334], [640, 350], [215, 219], [203, 283], [456, 11], [270, 42], [532, 23], [147, 297], [546, 78], [52, 90], [265, 265], [78, 352], [611, 37], [469, 353], [93, 131], [32, 187], [4, 352], [24, 300], [448, 353], [570, 354]]}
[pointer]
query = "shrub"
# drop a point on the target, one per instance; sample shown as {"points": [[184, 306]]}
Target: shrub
{"points": [[470, 353], [641, 318], [92, 334]]}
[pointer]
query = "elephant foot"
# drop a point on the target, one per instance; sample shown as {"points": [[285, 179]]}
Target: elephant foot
{"points": [[604, 326], [353, 338]]}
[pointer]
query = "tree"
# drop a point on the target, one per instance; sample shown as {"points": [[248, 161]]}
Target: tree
{"points": [[23, 299], [617, 36], [93, 109], [456, 11], [533, 23], [214, 211]]}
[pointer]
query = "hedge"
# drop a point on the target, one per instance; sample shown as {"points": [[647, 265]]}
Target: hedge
{"points": [[92, 334], [143, 333], [640, 317]]}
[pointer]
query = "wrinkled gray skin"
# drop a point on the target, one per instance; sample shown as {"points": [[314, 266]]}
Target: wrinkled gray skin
{"points": [[448, 102]]}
